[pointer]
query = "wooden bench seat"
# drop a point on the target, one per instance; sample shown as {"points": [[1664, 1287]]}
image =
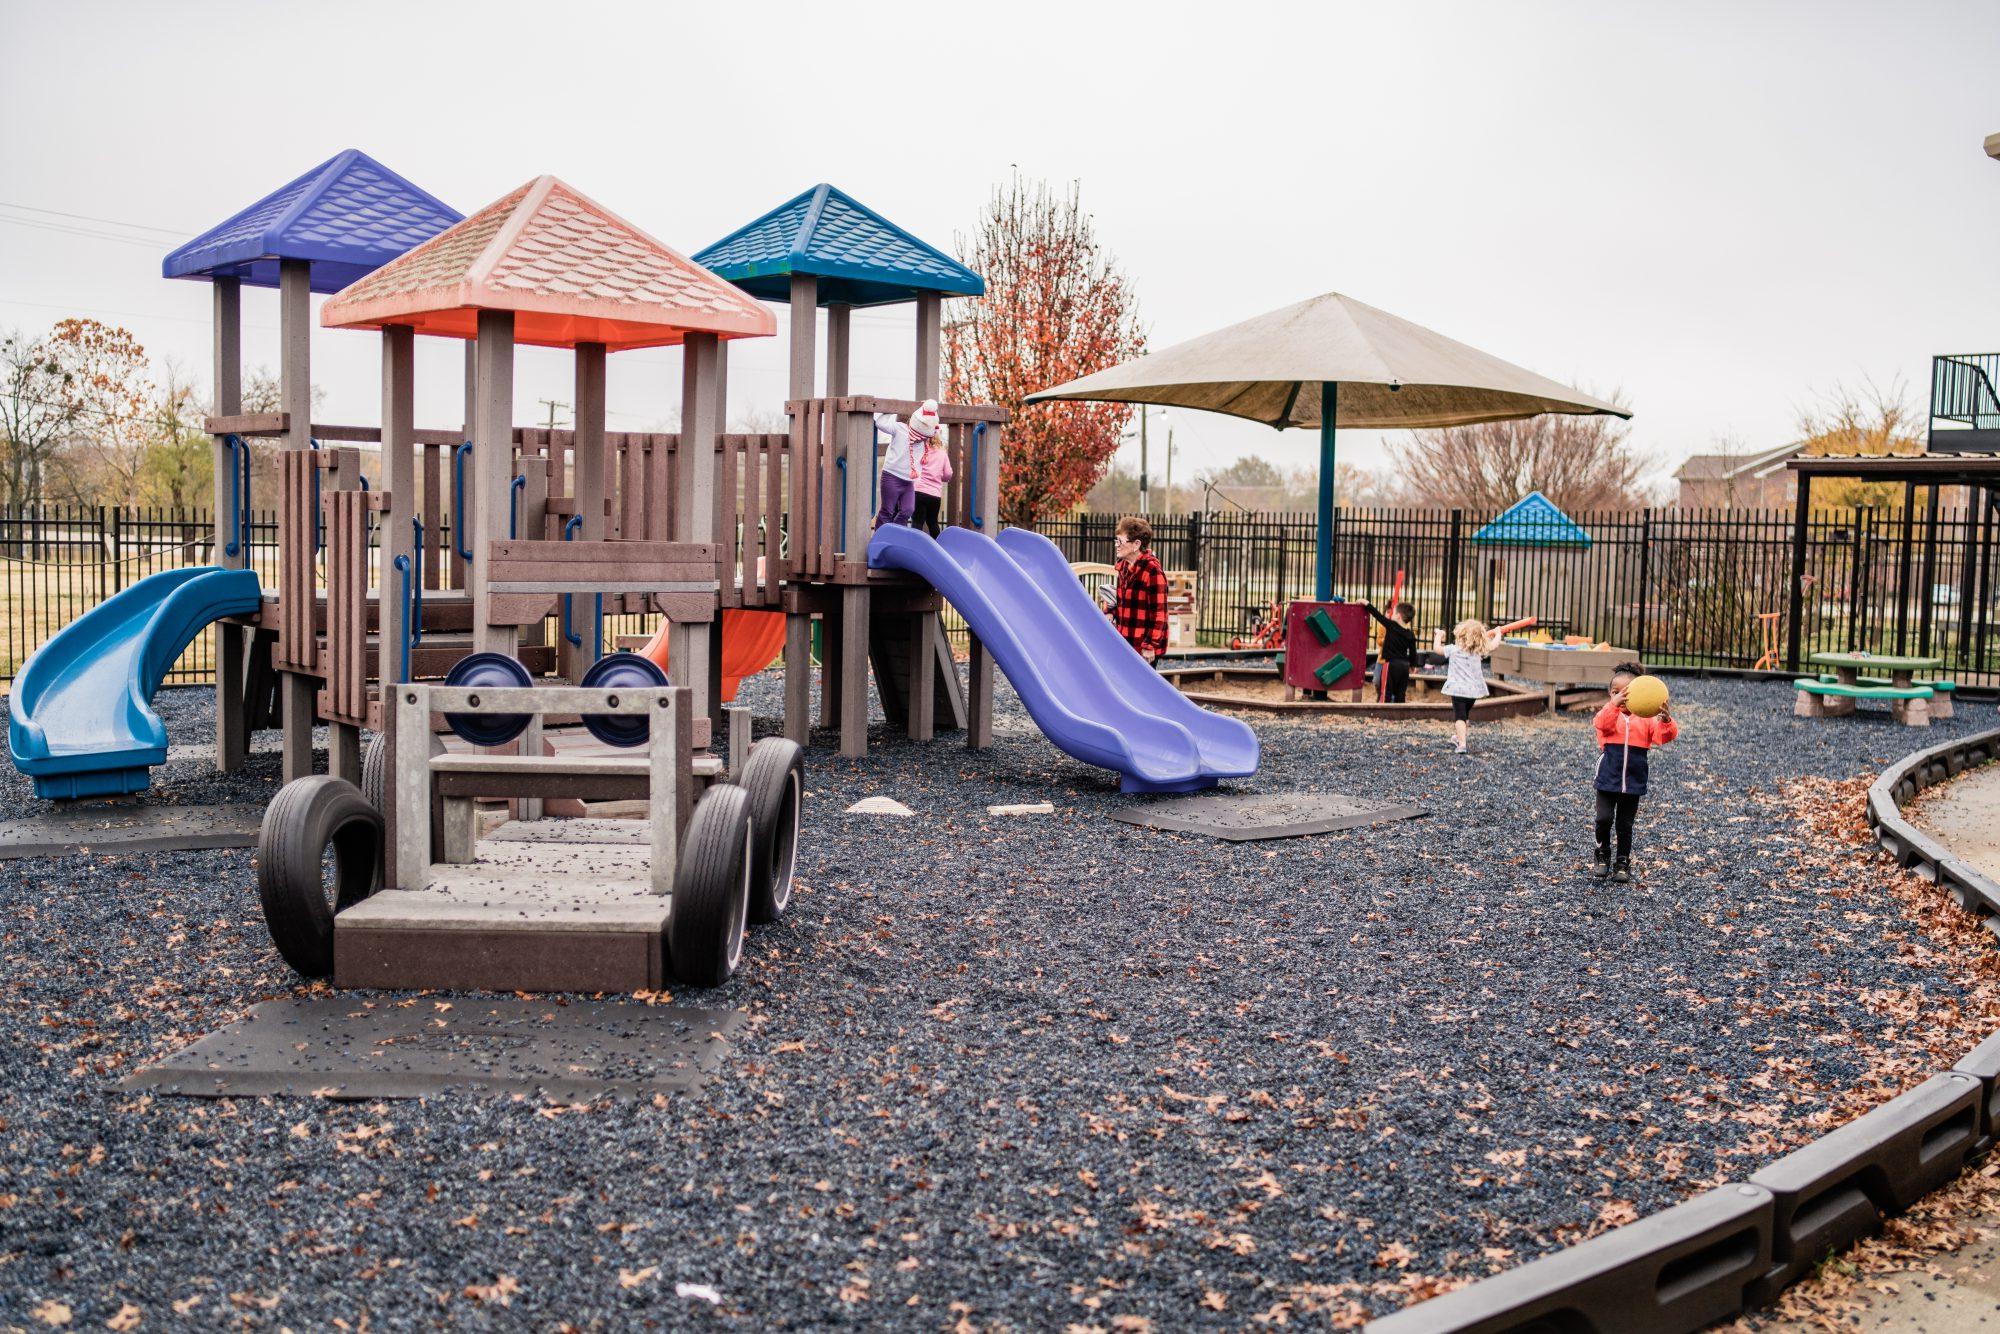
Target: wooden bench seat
{"points": [[1821, 699], [1940, 690]]}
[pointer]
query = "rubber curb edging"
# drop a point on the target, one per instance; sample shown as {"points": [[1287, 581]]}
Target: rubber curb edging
{"points": [[1733, 1248]]}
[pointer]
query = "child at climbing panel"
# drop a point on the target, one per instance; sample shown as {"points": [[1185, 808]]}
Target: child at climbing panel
{"points": [[1399, 649], [1465, 672], [933, 471], [1625, 742], [899, 462]]}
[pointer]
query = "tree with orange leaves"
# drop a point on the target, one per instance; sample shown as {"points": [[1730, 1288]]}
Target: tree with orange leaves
{"points": [[1056, 308]]}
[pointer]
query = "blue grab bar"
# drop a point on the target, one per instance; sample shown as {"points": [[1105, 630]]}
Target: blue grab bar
{"points": [[319, 515], [841, 463], [514, 492], [458, 499], [239, 495], [972, 482], [571, 637], [417, 620], [403, 566]]}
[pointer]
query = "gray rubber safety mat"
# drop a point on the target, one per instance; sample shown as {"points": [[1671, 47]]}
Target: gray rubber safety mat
{"points": [[570, 1050], [134, 828], [1246, 819]]}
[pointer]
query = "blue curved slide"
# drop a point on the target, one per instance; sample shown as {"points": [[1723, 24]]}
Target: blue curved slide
{"points": [[1082, 684], [81, 722]]}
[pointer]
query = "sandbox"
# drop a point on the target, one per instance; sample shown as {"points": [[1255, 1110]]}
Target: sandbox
{"points": [[1263, 689]]}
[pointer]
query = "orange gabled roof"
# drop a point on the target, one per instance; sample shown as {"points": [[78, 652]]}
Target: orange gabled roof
{"points": [[571, 270]]}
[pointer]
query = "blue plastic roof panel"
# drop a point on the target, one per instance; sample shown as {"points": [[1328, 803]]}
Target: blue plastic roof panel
{"points": [[859, 256], [346, 217], [1533, 521]]}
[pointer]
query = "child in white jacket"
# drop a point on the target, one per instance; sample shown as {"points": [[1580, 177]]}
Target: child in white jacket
{"points": [[899, 464]]}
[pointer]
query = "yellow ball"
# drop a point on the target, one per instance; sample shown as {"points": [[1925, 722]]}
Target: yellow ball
{"points": [[1646, 696]]}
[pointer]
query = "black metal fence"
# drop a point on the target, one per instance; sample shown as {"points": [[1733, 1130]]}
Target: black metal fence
{"points": [[1698, 588], [1694, 588]]}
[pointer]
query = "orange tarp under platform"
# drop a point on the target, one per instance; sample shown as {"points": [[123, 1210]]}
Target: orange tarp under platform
{"points": [[751, 641]]}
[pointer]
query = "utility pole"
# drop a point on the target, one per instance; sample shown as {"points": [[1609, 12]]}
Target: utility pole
{"points": [[553, 406], [1170, 472], [1143, 506]]}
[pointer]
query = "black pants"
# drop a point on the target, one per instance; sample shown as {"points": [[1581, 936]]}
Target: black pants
{"points": [[1397, 674], [1616, 809], [1461, 707], [927, 512]]}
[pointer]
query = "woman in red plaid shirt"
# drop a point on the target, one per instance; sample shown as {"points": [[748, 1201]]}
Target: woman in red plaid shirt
{"points": [[1140, 613]]}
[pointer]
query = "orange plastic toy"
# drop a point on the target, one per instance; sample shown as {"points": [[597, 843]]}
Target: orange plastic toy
{"points": [[751, 641]]}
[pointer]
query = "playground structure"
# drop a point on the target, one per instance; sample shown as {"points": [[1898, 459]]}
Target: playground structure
{"points": [[488, 555]]}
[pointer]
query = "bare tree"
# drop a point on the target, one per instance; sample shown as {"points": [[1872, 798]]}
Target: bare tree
{"points": [[1580, 463], [36, 417], [1862, 421]]}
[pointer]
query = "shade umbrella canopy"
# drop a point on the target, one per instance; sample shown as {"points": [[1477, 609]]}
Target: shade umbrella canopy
{"points": [[1379, 372], [1393, 375]]}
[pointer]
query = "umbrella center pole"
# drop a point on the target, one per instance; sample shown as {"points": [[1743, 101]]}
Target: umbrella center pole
{"points": [[1329, 398]]}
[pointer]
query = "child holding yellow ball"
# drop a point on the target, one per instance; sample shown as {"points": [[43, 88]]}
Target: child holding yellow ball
{"points": [[1635, 719]]}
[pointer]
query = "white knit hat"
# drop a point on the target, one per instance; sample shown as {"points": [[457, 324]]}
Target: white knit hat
{"points": [[924, 421]]}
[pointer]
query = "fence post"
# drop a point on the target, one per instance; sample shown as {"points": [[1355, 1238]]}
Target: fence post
{"points": [[117, 549], [1448, 612], [1795, 594], [1645, 577]]}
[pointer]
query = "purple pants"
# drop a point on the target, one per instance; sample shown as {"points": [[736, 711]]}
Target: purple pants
{"points": [[898, 500]]}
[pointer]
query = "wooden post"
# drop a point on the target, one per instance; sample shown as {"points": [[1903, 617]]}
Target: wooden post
{"points": [[930, 331], [232, 733], [920, 703], [839, 348], [409, 782], [691, 643], [664, 748], [853, 671], [295, 392], [490, 472], [979, 675], [805, 318], [829, 668], [798, 676], [399, 479], [979, 698], [589, 487]]}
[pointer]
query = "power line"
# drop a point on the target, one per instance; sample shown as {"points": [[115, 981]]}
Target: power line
{"points": [[63, 229], [176, 232]]}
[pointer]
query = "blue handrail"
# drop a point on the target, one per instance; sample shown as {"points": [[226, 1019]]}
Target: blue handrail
{"points": [[458, 499], [402, 564], [319, 516], [573, 639], [239, 495], [972, 482], [417, 600], [514, 490], [841, 464]]}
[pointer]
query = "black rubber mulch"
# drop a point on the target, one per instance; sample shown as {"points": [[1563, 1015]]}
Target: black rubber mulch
{"points": [[1018, 1071]]}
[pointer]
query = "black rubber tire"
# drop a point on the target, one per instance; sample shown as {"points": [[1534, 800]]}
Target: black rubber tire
{"points": [[711, 902], [374, 771], [774, 781], [307, 816]]}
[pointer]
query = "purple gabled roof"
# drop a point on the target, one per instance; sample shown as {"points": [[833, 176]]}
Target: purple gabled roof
{"points": [[346, 217]]}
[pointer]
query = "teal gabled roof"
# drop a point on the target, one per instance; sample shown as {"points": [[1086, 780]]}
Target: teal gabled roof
{"points": [[1533, 521], [859, 256]]}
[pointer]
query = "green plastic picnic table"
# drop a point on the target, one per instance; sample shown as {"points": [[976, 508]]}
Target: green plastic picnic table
{"points": [[1900, 669]]}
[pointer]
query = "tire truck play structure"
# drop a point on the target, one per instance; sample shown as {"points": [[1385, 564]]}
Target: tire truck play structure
{"points": [[546, 905]]}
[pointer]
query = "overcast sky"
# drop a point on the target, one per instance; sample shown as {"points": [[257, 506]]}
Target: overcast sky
{"points": [[1722, 210]]}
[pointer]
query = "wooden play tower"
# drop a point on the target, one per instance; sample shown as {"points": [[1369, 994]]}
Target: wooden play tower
{"points": [[487, 537]]}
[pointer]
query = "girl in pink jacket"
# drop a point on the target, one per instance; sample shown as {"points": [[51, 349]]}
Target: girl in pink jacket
{"points": [[933, 471]]}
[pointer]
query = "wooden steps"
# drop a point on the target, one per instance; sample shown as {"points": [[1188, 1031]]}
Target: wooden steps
{"points": [[553, 905]]}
